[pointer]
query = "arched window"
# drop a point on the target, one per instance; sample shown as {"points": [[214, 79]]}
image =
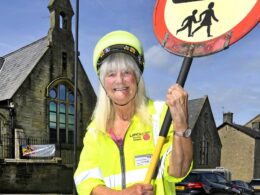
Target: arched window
{"points": [[61, 114]]}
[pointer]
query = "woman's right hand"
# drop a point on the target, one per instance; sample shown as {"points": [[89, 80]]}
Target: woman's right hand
{"points": [[138, 189]]}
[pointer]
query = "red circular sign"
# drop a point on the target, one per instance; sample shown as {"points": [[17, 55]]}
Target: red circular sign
{"points": [[202, 27]]}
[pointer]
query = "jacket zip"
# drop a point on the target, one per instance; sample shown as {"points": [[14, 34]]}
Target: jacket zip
{"points": [[122, 160]]}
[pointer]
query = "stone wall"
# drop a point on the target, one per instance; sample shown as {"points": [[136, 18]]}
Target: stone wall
{"points": [[257, 159], [35, 178], [237, 154]]}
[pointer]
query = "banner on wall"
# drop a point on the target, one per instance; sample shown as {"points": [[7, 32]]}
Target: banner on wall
{"points": [[47, 150]]}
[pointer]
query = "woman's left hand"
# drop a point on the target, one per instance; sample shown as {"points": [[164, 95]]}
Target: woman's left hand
{"points": [[181, 158], [177, 100]]}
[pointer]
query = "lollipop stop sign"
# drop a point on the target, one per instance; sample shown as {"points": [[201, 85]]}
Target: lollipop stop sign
{"points": [[202, 27]]}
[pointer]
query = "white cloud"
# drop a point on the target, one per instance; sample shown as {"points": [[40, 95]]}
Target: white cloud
{"points": [[158, 58]]}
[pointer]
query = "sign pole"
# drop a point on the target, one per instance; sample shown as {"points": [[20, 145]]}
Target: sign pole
{"points": [[183, 74], [75, 93]]}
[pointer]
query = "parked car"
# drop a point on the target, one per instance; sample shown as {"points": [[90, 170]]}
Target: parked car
{"points": [[205, 183], [220, 170], [244, 187], [255, 183]]}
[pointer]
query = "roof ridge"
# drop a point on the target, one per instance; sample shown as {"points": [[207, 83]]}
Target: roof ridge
{"points": [[203, 97], [252, 119], [15, 51], [247, 130]]}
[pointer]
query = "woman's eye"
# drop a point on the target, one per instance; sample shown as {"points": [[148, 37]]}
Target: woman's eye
{"points": [[111, 74], [126, 72]]}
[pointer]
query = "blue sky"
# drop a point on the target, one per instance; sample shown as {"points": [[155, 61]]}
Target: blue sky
{"points": [[230, 78]]}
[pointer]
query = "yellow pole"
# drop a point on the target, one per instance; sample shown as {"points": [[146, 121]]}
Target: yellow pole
{"points": [[154, 160]]}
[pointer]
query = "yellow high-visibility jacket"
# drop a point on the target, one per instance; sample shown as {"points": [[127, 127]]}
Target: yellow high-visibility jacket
{"points": [[102, 162]]}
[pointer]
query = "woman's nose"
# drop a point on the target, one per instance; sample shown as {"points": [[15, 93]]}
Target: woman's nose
{"points": [[119, 77]]}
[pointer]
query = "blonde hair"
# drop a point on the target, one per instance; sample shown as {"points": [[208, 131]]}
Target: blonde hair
{"points": [[104, 111]]}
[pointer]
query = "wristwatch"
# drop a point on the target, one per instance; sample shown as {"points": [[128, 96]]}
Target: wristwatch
{"points": [[184, 133]]}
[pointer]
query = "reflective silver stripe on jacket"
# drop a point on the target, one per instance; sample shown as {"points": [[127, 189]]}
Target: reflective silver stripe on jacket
{"points": [[92, 173], [133, 176]]}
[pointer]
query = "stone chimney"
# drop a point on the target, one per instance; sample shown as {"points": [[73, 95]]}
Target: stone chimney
{"points": [[228, 117]]}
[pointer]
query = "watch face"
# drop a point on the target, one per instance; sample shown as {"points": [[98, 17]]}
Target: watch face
{"points": [[187, 133]]}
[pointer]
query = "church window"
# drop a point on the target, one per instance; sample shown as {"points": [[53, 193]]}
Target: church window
{"points": [[204, 150], [53, 93], [53, 121], [61, 114], [63, 21], [64, 61]]}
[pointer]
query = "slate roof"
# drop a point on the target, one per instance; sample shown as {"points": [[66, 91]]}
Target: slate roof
{"points": [[246, 130], [195, 107], [18, 65]]}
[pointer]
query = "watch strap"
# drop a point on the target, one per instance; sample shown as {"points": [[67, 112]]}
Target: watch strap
{"points": [[183, 133]]}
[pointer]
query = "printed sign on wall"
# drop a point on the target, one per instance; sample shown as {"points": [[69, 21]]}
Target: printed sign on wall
{"points": [[47, 150]]}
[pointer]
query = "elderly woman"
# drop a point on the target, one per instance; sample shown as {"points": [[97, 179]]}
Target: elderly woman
{"points": [[122, 136]]}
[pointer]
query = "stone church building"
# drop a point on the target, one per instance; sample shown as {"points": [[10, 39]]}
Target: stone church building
{"points": [[240, 147], [37, 107]]}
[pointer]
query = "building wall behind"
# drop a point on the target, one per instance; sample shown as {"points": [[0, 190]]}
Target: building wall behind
{"points": [[35, 178], [31, 101], [257, 159], [237, 153], [206, 125]]}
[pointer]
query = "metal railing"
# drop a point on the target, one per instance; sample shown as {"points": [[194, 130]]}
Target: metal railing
{"points": [[7, 148]]}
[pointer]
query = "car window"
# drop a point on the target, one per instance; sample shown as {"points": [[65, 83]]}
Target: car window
{"points": [[220, 173], [240, 183], [221, 179], [255, 182], [211, 177]]}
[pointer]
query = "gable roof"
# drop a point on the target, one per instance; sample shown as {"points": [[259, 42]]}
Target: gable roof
{"points": [[195, 107], [257, 116], [18, 65], [246, 130]]}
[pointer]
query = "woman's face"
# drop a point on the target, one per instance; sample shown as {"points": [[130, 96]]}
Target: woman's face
{"points": [[120, 86]]}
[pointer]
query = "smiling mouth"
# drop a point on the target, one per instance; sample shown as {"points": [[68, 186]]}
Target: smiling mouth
{"points": [[120, 89]]}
